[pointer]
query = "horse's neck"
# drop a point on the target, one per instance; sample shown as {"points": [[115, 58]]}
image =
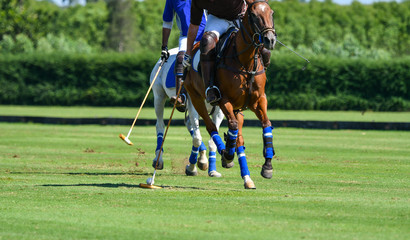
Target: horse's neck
{"points": [[245, 49]]}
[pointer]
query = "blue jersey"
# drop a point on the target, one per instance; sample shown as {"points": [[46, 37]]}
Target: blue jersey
{"points": [[182, 10]]}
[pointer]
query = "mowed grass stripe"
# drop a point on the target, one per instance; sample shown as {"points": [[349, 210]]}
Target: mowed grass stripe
{"points": [[81, 182], [149, 113]]}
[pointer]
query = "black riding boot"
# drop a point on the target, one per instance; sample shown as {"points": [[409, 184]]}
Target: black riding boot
{"points": [[208, 56], [179, 72]]}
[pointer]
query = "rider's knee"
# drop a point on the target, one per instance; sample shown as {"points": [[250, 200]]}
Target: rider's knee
{"points": [[208, 42]]}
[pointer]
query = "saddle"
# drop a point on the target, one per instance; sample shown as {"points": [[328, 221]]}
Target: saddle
{"points": [[220, 48], [224, 42]]}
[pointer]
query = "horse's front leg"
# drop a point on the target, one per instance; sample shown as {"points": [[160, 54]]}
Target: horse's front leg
{"points": [[268, 150], [231, 136], [240, 151]]}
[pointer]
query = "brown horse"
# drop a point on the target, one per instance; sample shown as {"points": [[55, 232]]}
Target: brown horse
{"points": [[241, 79]]}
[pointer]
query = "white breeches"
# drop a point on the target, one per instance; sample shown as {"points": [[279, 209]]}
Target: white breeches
{"points": [[218, 25]]}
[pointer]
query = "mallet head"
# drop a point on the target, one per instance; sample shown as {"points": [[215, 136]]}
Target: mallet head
{"points": [[143, 185], [126, 140]]}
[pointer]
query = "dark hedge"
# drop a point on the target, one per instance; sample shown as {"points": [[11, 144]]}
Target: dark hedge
{"points": [[114, 79]]}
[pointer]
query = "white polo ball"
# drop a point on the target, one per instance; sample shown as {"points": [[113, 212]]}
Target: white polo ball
{"points": [[150, 181]]}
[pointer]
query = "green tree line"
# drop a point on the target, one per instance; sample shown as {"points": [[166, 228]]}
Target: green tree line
{"points": [[378, 30]]}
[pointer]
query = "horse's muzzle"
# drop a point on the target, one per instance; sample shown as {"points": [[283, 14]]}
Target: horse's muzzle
{"points": [[269, 40]]}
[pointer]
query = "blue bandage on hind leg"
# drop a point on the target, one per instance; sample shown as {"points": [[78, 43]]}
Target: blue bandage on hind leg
{"points": [[218, 141], [202, 147], [160, 138], [212, 161], [194, 155], [268, 143], [242, 161], [231, 141]]}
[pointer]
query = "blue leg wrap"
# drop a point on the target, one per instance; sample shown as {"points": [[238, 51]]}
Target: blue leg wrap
{"points": [[202, 147], [212, 161], [231, 141], [160, 137], [194, 155], [242, 161], [218, 141], [268, 143]]}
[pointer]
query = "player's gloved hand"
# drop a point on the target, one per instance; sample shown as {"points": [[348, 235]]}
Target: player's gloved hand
{"points": [[187, 61], [164, 53]]}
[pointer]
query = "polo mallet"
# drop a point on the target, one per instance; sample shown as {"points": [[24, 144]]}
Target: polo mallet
{"points": [[150, 181], [125, 138], [304, 67]]}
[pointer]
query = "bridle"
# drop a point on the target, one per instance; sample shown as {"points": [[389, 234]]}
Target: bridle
{"points": [[257, 30]]}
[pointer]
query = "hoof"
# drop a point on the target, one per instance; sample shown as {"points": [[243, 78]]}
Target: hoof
{"points": [[267, 171], [160, 164], [202, 161], [189, 172], [226, 163], [249, 185], [214, 174]]}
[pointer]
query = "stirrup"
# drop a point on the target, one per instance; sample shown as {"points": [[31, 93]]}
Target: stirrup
{"points": [[218, 96], [180, 105]]}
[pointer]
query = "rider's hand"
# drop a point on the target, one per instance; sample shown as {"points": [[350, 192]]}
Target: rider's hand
{"points": [[164, 53], [187, 61]]}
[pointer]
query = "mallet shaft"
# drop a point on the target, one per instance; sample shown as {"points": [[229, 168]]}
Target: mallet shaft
{"points": [[145, 98]]}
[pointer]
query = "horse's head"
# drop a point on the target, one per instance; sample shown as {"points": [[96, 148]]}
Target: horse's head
{"points": [[260, 18]]}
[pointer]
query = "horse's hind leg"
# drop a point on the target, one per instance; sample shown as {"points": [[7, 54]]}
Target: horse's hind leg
{"points": [[240, 151], [217, 118], [212, 160], [193, 128], [159, 102], [200, 107]]}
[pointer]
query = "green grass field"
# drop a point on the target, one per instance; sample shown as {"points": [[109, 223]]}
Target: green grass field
{"points": [[81, 182], [148, 113]]}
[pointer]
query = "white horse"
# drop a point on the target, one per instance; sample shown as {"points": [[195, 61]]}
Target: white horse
{"points": [[164, 89]]}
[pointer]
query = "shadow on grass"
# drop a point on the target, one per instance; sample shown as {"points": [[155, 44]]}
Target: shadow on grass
{"points": [[117, 185], [106, 185], [85, 173]]}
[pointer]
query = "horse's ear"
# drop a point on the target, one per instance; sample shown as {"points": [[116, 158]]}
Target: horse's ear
{"points": [[252, 1]]}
